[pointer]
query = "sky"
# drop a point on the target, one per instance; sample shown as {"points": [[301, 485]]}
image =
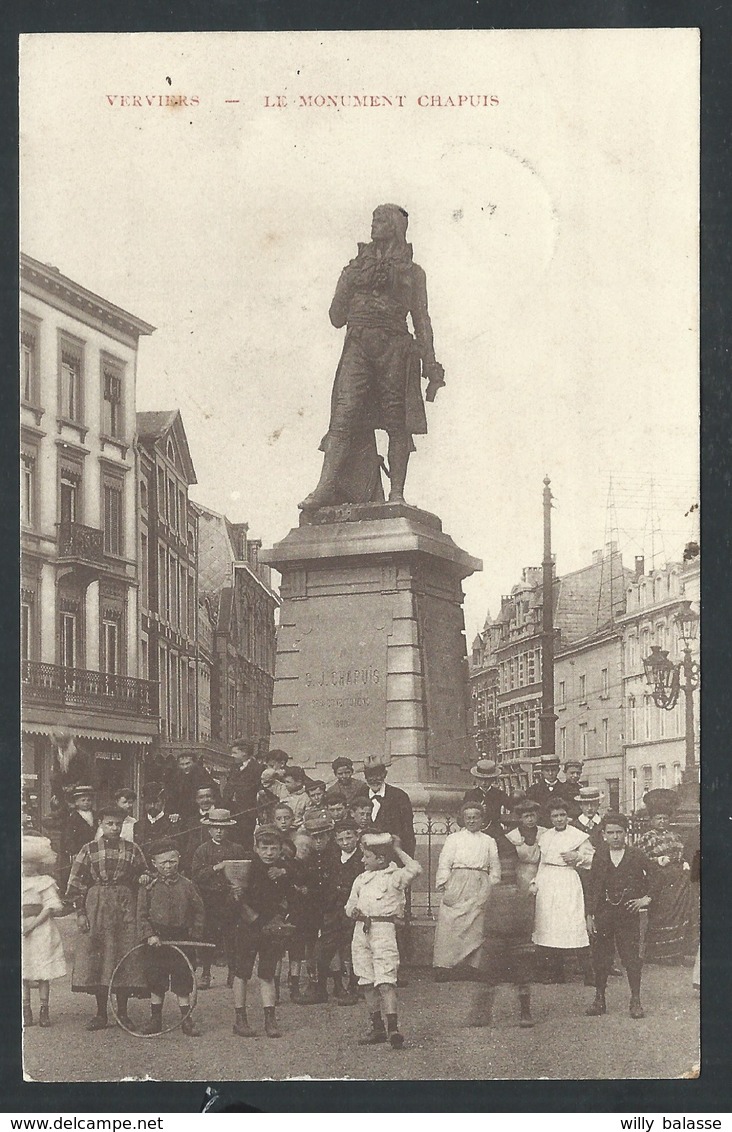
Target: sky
{"points": [[557, 225]]}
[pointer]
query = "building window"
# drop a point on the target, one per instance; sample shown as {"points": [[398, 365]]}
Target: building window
{"points": [[677, 774], [144, 572], [29, 360], [647, 729], [163, 683], [613, 794], [172, 506], [232, 709], [662, 776], [68, 497], [563, 742], [27, 489], [143, 495], [606, 736], [605, 682], [26, 629], [584, 740], [530, 666], [110, 647], [113, 521], [144, 659], [174, 695], [192, 702], [162, 497], [184, 699], [162, 584], [661, 716], [583, 689], [562, 693], [633, 775], [68, 639], [173, 592], [112, 416], [191, 607], [647, 772], [71, 355]]}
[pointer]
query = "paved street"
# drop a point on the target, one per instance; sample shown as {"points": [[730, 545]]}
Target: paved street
{"points": [[320, 1041]]}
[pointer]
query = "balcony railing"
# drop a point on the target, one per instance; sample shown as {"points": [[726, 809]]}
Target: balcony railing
{"points": [[79, 687], [80, 543]]}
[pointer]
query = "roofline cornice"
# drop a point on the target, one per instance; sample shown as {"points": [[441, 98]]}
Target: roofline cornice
{"points": [[59, 288]]}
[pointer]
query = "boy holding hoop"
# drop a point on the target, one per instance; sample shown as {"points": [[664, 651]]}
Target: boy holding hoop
{"points": [[169, 908]]}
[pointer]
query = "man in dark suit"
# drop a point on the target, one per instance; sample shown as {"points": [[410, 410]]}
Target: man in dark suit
{"points": [[616, 894], [549, 789], [240, 793], [154, 823], [185, 780], [487, 793], [391, 810]]}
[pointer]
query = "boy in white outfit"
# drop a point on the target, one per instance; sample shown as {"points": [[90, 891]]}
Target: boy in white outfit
{"points": [[377, 903]]}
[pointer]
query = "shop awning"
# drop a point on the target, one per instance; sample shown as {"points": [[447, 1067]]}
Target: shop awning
{"points": [[88, 733]]}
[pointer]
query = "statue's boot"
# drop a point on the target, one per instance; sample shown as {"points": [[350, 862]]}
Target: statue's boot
{"points": [[398, 461], [327, 493]]}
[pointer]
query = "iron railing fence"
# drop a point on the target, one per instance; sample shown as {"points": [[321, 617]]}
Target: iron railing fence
{"points": [[56, 684]]}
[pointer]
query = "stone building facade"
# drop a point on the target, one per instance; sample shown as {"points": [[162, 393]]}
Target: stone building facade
{"points": [[654, 743], [80, 618], [236, 589], [509, 657], [169, 580]]}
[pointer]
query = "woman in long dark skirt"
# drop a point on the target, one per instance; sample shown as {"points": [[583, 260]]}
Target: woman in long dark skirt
{"points": [[669, 916]]}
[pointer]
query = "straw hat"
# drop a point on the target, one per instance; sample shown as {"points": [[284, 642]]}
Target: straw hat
{"points": [[219, 818]]}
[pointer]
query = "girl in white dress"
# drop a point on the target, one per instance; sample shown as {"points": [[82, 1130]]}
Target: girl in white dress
{"points": [[43, 953], [559, 923], [467, 870]]}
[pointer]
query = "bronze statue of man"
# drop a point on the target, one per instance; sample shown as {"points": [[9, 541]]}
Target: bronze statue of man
{"points": [[377, 383]]}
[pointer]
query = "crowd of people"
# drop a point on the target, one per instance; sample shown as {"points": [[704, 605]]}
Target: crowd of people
{"points": [[308, 884]]}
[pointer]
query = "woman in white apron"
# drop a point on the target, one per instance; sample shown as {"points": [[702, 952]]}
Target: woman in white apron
{"points": [[559, 923], [467, 870]]}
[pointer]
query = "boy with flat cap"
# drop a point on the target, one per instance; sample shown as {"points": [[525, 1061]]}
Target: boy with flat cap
{"points": [[168, 908], [377, 903], [345, 782], [261, 929]]}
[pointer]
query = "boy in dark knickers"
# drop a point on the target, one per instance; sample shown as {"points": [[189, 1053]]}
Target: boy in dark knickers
{"points": [[169, 908]]}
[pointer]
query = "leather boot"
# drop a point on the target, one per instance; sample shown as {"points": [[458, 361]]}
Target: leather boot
{"points": [[598, 1006], [481, 1011], [525, 1021], [398, 461], [636, 1010], [188, 1028], [43, 1018], [327, 493], [271, 1028]]}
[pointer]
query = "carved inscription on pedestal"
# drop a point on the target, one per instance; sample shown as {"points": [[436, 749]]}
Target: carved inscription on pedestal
{"points": [[341, 690]]}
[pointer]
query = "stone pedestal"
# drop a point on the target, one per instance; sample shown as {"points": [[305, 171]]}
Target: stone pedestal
{"points": [[371, 653]]}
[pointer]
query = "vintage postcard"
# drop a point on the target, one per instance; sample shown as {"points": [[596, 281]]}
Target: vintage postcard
{"points": [[360, 555]]}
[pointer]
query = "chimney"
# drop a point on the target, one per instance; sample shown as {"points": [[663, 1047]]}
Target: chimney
{"points": [[596, 557], [640, 566]]}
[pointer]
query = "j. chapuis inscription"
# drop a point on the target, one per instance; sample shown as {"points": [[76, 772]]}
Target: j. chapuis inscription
{"points": [[342, 677]]}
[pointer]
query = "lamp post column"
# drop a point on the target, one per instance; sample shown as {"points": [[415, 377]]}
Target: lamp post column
{"points": [[687, 815]]}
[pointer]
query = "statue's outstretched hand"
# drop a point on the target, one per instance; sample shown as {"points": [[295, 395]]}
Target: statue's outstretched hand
{"points": [[435, 375]]}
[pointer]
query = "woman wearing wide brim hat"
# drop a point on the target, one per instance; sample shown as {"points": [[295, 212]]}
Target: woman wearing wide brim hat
{"points": [[669, 916], [488, 793]]}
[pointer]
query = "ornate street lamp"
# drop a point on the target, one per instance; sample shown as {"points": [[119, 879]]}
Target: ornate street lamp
{"points": [[664, 677]]}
